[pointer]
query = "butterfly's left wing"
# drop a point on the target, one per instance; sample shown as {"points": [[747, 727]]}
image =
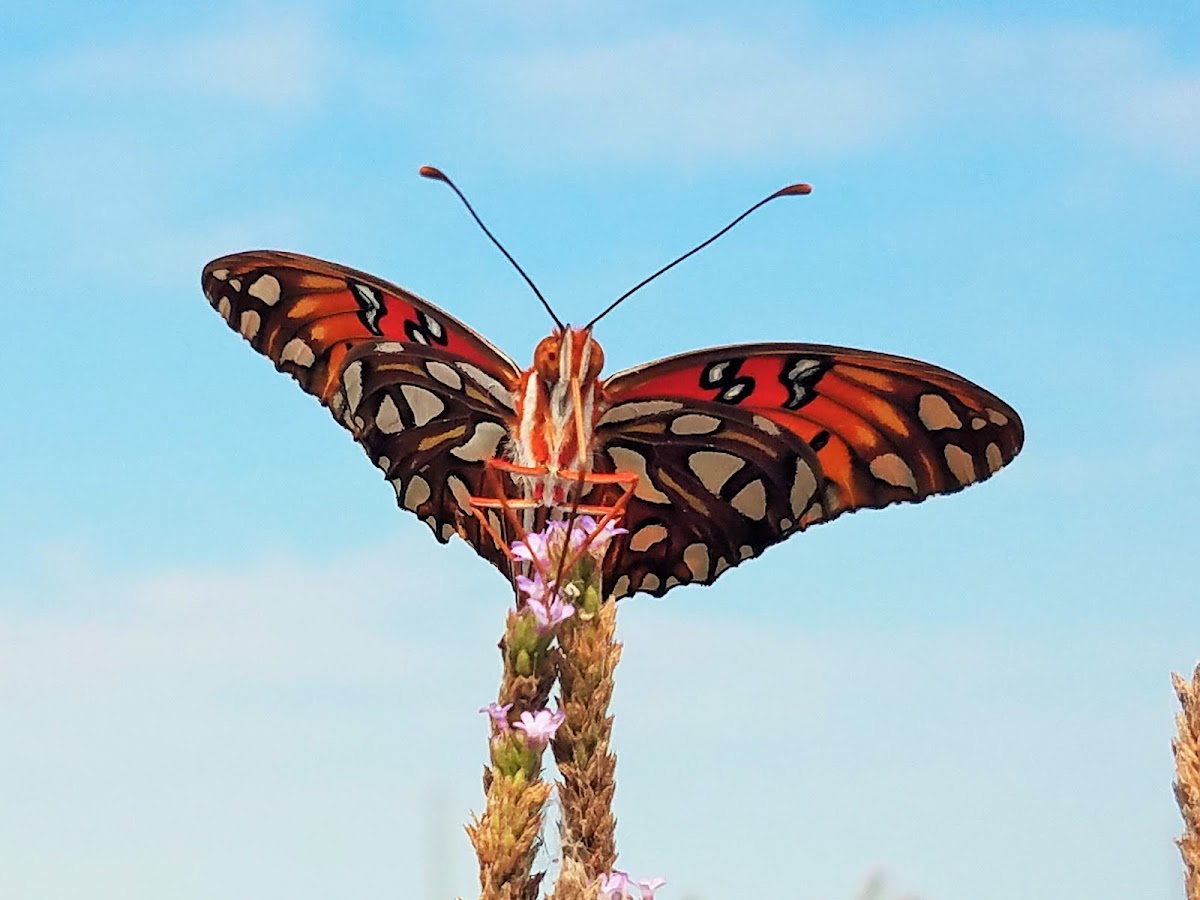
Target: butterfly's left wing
{"points": [[430, 424], [738, 447]]}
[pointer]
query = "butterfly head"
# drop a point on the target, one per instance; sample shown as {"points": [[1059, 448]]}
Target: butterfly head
{"points": [[568, 354]]}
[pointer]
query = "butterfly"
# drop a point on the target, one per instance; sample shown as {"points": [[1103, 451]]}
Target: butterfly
{"points": [[723, 452]]}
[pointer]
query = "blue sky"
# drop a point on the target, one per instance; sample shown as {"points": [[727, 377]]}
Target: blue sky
{"points": [[230, 667]]}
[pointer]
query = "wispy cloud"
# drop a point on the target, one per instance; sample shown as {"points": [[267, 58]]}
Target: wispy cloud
{"points": [[284, 63], [703, 94]]}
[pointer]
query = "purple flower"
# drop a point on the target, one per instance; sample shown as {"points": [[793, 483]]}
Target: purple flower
{"points": [[540, 726], [535, 588], [499, 715], [535, 548], [648, 886], [614, 886], [587, 527], [550, 615]]}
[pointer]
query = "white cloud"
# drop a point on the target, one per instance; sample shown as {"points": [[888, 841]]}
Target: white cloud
{"points": [[281, 63], [705, 94]]}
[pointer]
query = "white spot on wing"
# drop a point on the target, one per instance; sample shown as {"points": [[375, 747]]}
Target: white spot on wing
{"points": [[298, 352], [249, 324], [935, 413], [439, 371], [751, 501], [498, 391], [762, 423], [220, 274], [960, 463], [695, 557], [462, 495], [638, 409], [416, 493], [387, 419], [646, 537], [714, 468], [352, 382], [225, 308], [694, 423], [425, 405], [631, 461], [994, 459], [483, 443], [891, 468], [266, 289], [804, 485]]}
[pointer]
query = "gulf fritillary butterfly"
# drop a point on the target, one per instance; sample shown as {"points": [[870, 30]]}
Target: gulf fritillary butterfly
{"points": [[726, 451]]}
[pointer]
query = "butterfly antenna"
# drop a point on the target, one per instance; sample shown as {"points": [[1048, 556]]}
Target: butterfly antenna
{"points": [[792, 190], [439, 175]]}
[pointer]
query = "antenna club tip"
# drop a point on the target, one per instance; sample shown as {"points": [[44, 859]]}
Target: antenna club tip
{"points": [[795, 190], [434, 173]]}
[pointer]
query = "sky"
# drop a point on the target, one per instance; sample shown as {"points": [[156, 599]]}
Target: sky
{"points": [[231, 667]]}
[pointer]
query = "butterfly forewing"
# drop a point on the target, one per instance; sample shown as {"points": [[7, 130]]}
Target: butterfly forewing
{"points": [[874, 429], [306, 314]]}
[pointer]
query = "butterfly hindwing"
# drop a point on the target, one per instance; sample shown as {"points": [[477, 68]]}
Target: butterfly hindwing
{"points": [[716, 485], [306, 314], [429, 421], [876, 429]]}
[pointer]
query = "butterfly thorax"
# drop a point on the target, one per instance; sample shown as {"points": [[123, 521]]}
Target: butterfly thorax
{"points": [[558, 403]]}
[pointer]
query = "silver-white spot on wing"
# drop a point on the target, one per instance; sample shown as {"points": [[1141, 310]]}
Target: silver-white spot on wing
{"points": [[298, 352], [387, 419], [352, 382], [490, 385], [416, 493], [694, 423], [425, 405], [895, 471], [762, 423], [447, 375], [961, 464], [484, 443], [637, 409], [994, 459], [695, 557], [935, 413], [804, 485], [266, 289], [751, 501], [646, 537], [249, 324], [626, 460], [714, 468], [462, 494]]}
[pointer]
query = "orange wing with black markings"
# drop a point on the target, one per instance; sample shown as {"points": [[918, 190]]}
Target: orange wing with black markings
{"points": [[306, 314], [786, 436]]}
